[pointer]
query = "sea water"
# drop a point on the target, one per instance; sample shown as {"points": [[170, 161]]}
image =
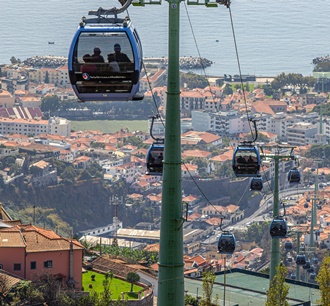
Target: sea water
{"points": [[272, 36]]}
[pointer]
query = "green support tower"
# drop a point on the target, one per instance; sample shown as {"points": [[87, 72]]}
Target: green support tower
{"points": [[276, 156], [170, 275], [171, 264]]}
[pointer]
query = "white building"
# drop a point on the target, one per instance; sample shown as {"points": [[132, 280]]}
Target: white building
{"points": [[33, 127], [59, 126], [301, 134]]}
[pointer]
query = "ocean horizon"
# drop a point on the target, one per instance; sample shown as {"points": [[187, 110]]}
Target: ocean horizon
{"points": [[272, 37]]}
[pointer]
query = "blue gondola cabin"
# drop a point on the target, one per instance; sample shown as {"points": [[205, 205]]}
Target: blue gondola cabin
{"points": [[105, 60], [154, 159], [226, 243], [246, 161]]}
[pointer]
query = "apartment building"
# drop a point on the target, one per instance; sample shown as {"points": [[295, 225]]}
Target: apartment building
{"points": [[301, 134], [33, 127], [58, 76], [222, 123], [28, 251]]}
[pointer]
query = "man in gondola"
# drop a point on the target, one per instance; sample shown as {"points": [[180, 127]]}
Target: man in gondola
{"points": [[96, 56], [120, 56]]}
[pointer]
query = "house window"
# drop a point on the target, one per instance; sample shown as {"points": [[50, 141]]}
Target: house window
{"points": [[17, 267], [48, 264], [33, 265]]}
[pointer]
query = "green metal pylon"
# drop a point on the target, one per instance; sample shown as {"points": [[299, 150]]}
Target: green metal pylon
{"points": [[298, 251], [170, 275], [275, 246], [171, 264]]}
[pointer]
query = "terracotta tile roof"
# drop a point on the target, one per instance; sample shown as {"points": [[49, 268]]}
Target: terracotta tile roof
{"points": [[231, 208], [152, 247], [201, 136], [190, 167], [155, 266], [35, 239], [196, 153], [135, 196], [228, 155], [213, 221], [8, 281], [41, 164], [194, 216], [189, 198], [200, 260], [11, 239], [105, 263]]}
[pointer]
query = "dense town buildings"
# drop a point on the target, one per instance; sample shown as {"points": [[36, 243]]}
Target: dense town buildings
{"points": [[209, 116]]}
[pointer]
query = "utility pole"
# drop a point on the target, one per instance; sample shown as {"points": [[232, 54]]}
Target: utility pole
{"points": [[276, 156]]}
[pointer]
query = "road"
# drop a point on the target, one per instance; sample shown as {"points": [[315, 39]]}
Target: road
{"points": [[261, 214]]}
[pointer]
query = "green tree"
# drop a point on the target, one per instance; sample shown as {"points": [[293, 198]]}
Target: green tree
{"points": [[323, 280], [132, 277], [106, 294], [50, 103], [134, 141], [322, 67], [47, 78], [278, 289], [84, 175], [207, 286], [190, 300], [13, 60], [268, 90], [228, 90], [69, 174], [192, 80]]}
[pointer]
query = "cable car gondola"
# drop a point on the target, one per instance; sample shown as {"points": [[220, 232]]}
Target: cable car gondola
{"points": [[105, 59], [256, 183], [290, 259], [278, 228], [155, 157], [310, 269], [307, 265], [226, 243], [294, 176], [288, 245], [246, 161], [300, 259], [292, 276]]}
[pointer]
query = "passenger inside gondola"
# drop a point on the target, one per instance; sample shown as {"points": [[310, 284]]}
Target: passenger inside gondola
{"points": [[96, 56], [277, 229], [88, 66], [246, 165], [155, 163], [159, 159], [113, 64], [226, 245], [241, 160]]}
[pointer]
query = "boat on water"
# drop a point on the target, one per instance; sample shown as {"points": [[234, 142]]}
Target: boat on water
{"points": [[51, 42]]}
